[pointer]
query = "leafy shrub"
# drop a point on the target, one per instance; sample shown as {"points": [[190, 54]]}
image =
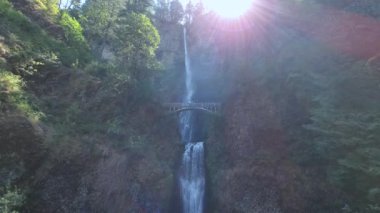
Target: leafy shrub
{"points": [[12, 94], [4, 5], [10, 200], [138, 40], [49, 6], [75, 39], [73, 30]]}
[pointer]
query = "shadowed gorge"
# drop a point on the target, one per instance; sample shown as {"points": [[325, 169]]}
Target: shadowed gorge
{"points": [[167, 106]]}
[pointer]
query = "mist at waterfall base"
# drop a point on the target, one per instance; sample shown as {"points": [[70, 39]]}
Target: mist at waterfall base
{"points": [[192, 172]]}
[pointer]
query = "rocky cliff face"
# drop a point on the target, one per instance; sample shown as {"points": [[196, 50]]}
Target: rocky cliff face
{"points": [[253, 170]]}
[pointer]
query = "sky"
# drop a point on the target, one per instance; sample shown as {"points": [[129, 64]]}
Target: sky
{"points": [[64, 2]]}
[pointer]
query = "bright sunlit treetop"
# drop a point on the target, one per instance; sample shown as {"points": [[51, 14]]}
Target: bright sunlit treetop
{"points": [[230, 9]]}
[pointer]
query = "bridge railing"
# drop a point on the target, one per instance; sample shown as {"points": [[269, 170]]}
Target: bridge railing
{"points": [[207, 106], [192, 104]]}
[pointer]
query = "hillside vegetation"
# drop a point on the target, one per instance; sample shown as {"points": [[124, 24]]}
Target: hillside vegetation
{"points": [[73, 119]]}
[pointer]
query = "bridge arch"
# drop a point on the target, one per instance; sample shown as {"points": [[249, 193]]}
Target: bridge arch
{"points": [[212, 108]]}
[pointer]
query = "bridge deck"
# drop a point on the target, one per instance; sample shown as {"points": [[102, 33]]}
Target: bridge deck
{"points": [[179, 107]]}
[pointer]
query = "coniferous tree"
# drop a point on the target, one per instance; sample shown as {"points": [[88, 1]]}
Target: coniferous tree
{"points": [[176, 11], [99, 20]]}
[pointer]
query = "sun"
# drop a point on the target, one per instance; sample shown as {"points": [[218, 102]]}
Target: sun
{"points": [[231, 9]]}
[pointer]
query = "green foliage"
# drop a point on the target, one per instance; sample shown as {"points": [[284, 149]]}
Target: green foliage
{"points": [[136, 43], [4, 6], [343, 108], [10, 83], [73, 30], [13, 95], [100, 69], [102, 102], [10, 200], [33, 65], [168, 12], [161, 11], [49, 6], [345, 119], [139, 6], [98, 21], [114, 126], [10, 17], [75, 39], [28, 42], [348, 141], [129, 35], [176, 11]]}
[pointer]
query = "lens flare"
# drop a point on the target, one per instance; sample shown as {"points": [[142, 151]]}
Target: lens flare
{"points": [[228, 8]]}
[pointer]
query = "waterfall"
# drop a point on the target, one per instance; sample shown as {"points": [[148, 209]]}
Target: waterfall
{"points": [[192, 179], [189, 75], [186, 118]]}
